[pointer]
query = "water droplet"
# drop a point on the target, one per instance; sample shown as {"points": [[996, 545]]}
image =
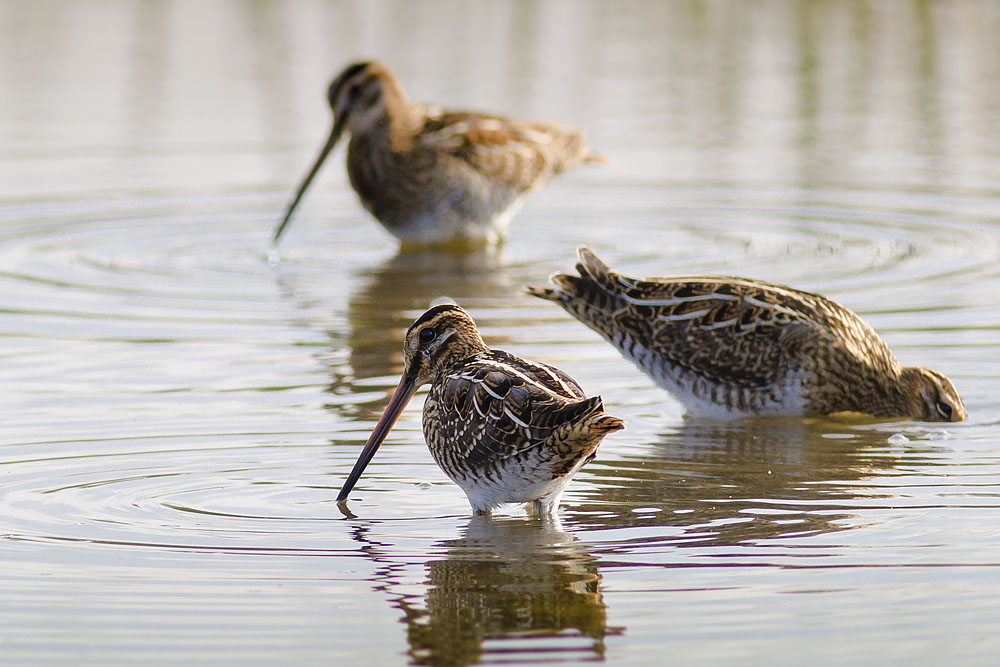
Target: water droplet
{"points": [[898, 439]]}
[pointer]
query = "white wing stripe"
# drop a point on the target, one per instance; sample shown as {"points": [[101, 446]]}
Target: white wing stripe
{"points": [[683, 316], [678, 300]]}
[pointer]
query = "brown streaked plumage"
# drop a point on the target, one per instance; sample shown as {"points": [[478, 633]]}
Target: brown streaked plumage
{"points": [[733, 347], [504, 429], [432, 176]]}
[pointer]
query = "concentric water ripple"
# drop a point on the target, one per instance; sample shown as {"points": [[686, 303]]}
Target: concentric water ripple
{"points": [[188, 407], [181, 403], [169, 318]]}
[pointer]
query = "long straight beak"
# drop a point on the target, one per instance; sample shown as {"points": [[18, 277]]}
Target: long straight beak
{"points": [[404, 392], [338, 129]]}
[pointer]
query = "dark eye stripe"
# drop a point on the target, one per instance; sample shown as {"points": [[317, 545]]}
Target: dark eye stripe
{"points": [[349, 73]]}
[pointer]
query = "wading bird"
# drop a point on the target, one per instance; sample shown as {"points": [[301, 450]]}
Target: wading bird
{"points": [[734, 347], [504, 429], [432, 176]]}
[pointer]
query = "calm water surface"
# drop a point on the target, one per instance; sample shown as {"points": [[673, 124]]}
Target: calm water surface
{"points": [[179, 412]]}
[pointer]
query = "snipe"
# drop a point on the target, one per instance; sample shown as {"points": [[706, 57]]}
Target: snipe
{"points": [[732, 347], [432, 176], [504, 429]]}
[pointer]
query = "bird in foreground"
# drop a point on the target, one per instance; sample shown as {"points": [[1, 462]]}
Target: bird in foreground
{"points": [[730, 347], [504, 429], [432, 176]]}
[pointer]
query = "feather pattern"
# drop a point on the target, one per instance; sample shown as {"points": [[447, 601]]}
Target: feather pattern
{"points": [[503, 428], [729, 347]]}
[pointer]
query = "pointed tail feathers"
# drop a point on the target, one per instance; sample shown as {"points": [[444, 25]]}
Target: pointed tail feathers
{"points": [[595, 289], [599, 421], [595, 158], [607, 424]]}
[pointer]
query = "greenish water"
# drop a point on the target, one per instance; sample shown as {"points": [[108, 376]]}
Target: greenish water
{"points": [[179, 412]]}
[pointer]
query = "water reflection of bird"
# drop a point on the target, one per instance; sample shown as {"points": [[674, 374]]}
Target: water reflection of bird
{"points": [[504, 429], [722, 483], [431, 176], [524, 579], [733, 347], [366, 348], [380, 312]]}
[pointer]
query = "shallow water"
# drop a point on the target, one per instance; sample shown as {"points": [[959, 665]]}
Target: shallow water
{"points": [[179, 411]]}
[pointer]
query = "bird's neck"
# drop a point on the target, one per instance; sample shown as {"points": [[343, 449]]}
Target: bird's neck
{"points": [[454, 359], [890, 397], [402, 120]]}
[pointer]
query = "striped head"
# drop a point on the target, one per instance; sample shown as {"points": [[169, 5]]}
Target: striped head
{"points": [[931, 396], [359, 94], [438, 340]]}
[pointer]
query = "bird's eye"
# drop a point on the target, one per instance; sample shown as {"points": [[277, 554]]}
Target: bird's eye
{"points": [[354, 91], [427, 335], [944, 409]]}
